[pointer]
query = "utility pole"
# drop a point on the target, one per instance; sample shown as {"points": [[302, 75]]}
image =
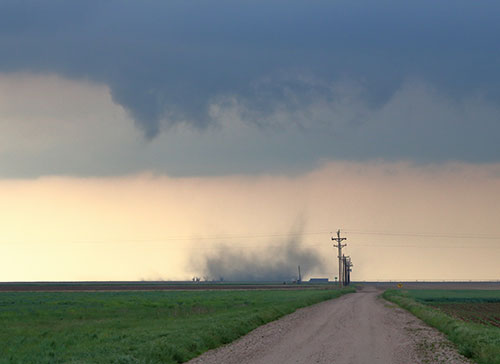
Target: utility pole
{"points": [[344, 271], [350, 269], [339, 245], [347, 269]]}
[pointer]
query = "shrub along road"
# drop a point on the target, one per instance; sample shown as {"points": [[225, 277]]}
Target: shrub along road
{"points": [[356, 328]]}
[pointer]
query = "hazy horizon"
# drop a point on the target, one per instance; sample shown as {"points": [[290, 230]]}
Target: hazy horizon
{"points": [[165, 228]]}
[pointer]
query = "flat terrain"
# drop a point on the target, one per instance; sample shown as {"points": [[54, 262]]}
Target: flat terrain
{"points": [[171, 322], [149, 286], [487, 313], [468, 317], [487, 285], [356, 328], [136, 326], [182, 285], [479, 306]]}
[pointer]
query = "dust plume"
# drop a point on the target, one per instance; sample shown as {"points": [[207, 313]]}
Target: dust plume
{"points": [[277, 262]]}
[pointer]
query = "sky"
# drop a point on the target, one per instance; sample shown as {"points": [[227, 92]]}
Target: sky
{"points": [[132, 132]]}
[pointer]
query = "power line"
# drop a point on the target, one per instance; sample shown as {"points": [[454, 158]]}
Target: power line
{"points": [[277, 246], [427, 246], [263, 245], [193, 237], [267, 236], [427, 235]]}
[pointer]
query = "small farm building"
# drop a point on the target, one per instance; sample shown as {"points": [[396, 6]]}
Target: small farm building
{"points": [[318, 280]]}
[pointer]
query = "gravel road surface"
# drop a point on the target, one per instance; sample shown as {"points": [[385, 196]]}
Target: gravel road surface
{"points": [[358, 328]]}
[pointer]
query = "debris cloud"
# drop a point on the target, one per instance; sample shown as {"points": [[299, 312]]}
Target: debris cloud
{"points": [[272, 263]]}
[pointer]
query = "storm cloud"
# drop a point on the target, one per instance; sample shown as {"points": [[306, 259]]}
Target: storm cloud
{"points": [[225, 87], [166, 62]]}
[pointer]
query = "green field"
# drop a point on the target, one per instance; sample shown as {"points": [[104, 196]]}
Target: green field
{"points": [[461, 295], [136, 327], [468, 317]]}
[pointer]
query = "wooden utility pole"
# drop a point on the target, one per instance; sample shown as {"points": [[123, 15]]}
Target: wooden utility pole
{"points": [[339, 245], [350, 269], [344, 271], [346, 261]]}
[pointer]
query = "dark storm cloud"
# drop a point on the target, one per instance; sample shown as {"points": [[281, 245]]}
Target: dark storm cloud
{"points": [[166, 62]]}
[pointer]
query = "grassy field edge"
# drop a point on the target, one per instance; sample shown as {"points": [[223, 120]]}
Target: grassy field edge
{"points": [[138, 327], [475, 341], [251, 322]]}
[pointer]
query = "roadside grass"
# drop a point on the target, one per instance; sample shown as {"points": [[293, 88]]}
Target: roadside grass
{"points": [[136, 327], [476, 341]]}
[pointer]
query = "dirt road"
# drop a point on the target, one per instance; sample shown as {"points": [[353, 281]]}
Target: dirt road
{"points": [[359, 328]]}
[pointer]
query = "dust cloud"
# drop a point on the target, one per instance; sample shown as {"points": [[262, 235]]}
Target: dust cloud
{"points": [[277, 261]]}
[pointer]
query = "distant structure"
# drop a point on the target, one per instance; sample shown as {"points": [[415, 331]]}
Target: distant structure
{"points": [[318, 280]]}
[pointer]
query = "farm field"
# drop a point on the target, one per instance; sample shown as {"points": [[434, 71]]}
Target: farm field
{"points": [[480, 306], [150, 286], [487, 313], [136, 327], [470, 318], [454, 295]]}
